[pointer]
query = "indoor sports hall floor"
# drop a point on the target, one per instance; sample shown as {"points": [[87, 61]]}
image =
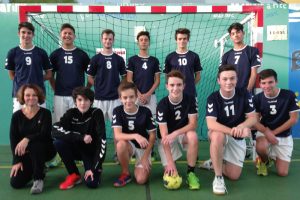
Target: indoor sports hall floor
{"points": [[249, 186]]}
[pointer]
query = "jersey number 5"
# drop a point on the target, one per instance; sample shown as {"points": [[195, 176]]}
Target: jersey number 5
{"points": [[131, 125]]}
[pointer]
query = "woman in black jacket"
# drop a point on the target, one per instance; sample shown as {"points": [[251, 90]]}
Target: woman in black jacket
{"points": [[30, 139]]}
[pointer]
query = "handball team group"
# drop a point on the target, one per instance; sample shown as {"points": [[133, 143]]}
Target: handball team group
{"points": [[125, 97]]}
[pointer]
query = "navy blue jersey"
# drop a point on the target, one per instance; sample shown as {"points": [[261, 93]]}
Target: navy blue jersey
{"points": [[176, 115], [106, 69], [139, 122], [230, 111], [70, 66], [244, 59], [276, 111], [144, 70], [28, 65], [188, 63]]}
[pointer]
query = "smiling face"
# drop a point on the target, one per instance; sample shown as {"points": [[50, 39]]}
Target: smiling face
{"points": [[128, 98], [227, 81], [107, 40], [67, 36], [269, 86], [26, 36], [30, 97], [83, 104], [175, 87]]}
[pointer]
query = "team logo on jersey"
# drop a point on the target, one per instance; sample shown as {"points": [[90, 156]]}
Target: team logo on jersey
{"points": [[251, 102], [114, 119], [160, 115], [153, 122], [210, 107], [258, 58]]}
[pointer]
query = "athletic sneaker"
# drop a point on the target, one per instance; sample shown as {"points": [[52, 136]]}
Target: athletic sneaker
{"points": [[122, 180], [193, 181], [207, 165], [219, 187], [37, 187], [70, 181], [262, 169]]}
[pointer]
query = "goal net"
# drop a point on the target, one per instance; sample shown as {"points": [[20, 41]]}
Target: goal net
{"points": [[206, 27]]}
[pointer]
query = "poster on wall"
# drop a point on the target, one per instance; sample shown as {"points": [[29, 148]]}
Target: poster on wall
{"points": [[294, 52]]}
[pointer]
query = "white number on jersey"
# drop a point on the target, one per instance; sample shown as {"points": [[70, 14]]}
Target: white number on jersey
{"points": [[68, 59], [131, 125], [237, 59], [108, 64], [273, 109], [145, 65], [182, 61], [228, 109], [28, 60], [177, 114]]}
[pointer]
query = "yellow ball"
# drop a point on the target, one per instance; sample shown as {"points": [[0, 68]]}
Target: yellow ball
{"points": [[172, 182]]}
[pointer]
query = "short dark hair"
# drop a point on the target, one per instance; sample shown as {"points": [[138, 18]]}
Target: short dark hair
{"points": [[67, 25], [84, 92], [266, 73], [183, 31], [108, 31], [237, 26], [175, 73], [26, 25], [38, 91], [224, 68], [146, 33], [125, 85]]}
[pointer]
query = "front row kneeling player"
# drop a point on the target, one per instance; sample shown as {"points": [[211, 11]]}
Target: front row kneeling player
{"points": [[177, 118], [80, 135], [134, 130]]}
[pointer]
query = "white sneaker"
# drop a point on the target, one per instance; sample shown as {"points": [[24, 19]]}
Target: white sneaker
{"points": [[207, 165], [219, 187]]}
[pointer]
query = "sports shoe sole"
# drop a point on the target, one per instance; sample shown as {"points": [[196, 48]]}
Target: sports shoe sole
{"points": [[71, 186]]}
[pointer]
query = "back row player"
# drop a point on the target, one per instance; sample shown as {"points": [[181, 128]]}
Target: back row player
{"points": [[26, 63]]}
